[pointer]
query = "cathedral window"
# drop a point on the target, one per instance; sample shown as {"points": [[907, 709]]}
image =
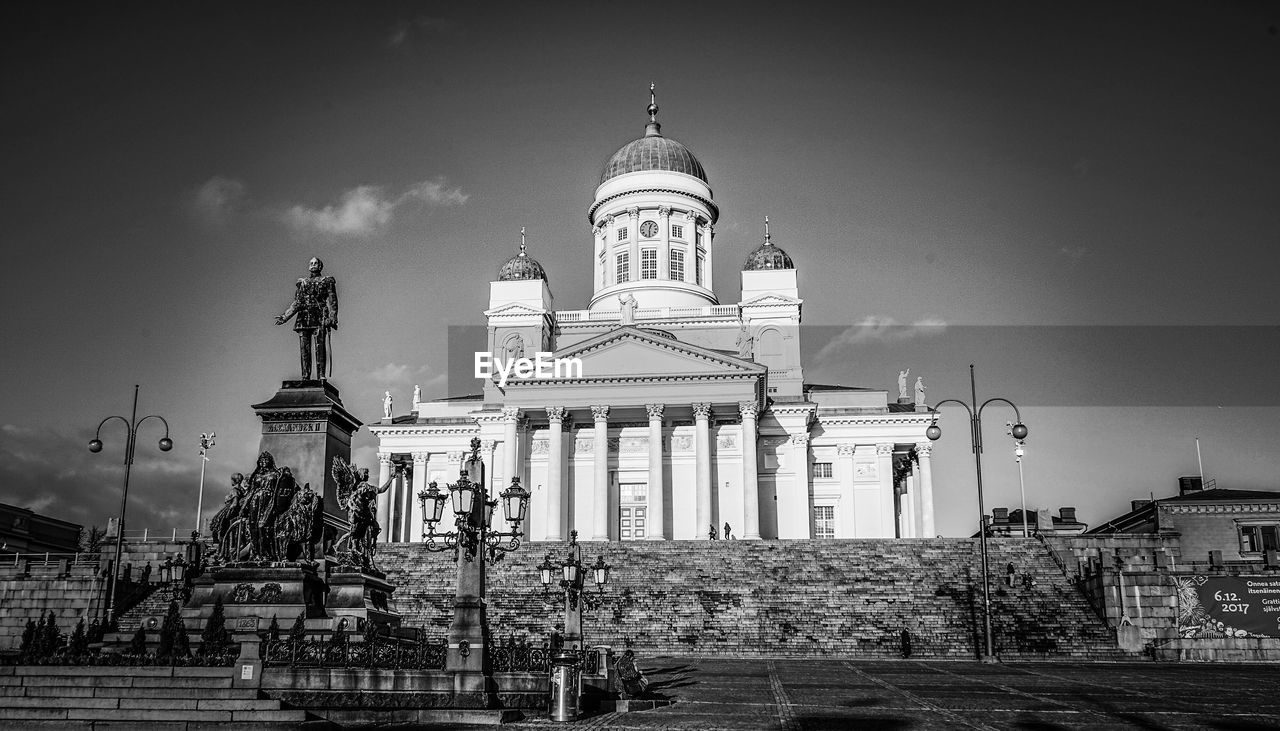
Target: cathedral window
{"points": [[622, 234], [677, 231], [677, 265], [822, 471], [624, 268], [702, 260], [824, 521], [649, 264]]}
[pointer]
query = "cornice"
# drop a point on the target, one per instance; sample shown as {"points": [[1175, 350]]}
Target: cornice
{"points": [[711, 206], [1221, 508]]}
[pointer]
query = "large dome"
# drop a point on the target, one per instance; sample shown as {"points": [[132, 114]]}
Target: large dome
{"points": [[653, 152]]}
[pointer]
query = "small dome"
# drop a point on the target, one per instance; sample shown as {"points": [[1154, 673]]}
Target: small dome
{"points": [[522, 266], [767, 256], [653, 152]]}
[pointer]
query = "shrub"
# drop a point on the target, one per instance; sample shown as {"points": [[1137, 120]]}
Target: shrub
{"points": [[215, 637], [138, 644]]}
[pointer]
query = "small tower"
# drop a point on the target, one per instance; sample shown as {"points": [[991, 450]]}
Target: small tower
{"points": [[520, 312], [771, 314]]}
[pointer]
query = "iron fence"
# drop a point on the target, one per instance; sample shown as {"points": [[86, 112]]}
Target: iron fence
{"points": [[381, 654]]}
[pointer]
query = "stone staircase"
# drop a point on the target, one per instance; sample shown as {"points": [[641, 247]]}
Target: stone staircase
{"points": [[783, 598], [61, 697]]}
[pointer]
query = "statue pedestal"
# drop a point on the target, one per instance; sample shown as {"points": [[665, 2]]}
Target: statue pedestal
{"points": [[357, 595], [305, 426], [249, 590]]}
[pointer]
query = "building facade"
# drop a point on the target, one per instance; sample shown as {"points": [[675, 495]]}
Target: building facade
{"points": [[684, 414]]}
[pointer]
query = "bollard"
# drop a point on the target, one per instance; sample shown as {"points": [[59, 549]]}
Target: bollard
{"points": [[566, 686]]}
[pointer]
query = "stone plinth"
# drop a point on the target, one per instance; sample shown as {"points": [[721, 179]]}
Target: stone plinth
{"points": [[248, 591], [356, 595], [305, 426]]}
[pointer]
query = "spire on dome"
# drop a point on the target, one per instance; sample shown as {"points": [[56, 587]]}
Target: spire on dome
{"points": [[522, 246], [767, 255], [653, 129], [521, 266]]}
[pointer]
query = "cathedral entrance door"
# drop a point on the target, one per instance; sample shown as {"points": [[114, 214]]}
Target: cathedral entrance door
{"points": [[633, 510]]}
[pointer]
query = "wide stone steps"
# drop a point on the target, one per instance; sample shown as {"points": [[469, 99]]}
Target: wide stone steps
{"points": [[776, 598], [67, 697]]}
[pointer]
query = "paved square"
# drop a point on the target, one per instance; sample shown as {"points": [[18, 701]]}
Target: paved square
{"points": [[825, 695]]}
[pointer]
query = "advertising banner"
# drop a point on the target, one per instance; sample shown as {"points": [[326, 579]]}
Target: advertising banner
{"points": [[1228, 606]]}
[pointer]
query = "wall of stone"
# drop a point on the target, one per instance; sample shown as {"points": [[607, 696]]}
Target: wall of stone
{"points": [[30, 588], [1131, 581]]}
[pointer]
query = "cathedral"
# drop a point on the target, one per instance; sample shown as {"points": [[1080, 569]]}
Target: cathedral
{"points": [[685, 417]]}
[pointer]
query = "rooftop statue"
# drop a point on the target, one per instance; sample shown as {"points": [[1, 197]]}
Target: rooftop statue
{"points": [[315, 307], [920, 391], [902, 383]]}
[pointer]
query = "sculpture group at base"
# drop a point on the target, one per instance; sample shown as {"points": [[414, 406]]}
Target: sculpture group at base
{"points": [[267, 517], [360, 499]]}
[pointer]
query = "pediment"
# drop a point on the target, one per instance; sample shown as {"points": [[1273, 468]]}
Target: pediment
{"points": [[515, 309], [771, 299], [631, 352]]}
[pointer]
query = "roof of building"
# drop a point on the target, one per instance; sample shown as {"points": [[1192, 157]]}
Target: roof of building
{"points": [[767, 255], [1143, 518], [522, 266], [653, 152]]}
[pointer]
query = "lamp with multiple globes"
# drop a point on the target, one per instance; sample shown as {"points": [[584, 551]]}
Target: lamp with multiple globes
{"points": [[473, 515], [1019, 432], [572, 587], [131, 442]]}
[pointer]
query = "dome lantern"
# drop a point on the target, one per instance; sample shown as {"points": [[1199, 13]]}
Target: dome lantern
{"points": [[653, 152]]}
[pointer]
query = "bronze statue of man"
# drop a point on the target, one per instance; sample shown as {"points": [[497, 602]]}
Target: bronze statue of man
{"points": [[315, 305]]}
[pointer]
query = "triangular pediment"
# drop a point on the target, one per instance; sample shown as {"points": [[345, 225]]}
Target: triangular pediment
{"points": [[514, 309], [770, 299], [633, 352]]}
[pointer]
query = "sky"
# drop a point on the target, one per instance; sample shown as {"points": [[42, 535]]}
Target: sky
{"points": [[1080, 199]]}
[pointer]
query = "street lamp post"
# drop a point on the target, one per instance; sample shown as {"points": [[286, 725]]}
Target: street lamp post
{"points": [[572, 591], [206, 441], [95, 446], [1022, 487], [1018, 431], [472, 540]]}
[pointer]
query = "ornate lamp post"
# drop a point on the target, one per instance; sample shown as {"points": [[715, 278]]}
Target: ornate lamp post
{"points": [[572, 591], [1018, 431], [206, 441], [1018, 452], [474, 540], [95, 446]]}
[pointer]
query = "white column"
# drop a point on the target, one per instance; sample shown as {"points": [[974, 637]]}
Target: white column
{"points": [[750, 471], [633, 225], [924, 450], [664, 249], [510, 463], [884, 466], [702, 450], [600, 509], [384, 499], [488, 449], [555, 475], [797, 502], [420, 480], [657, 530], [848, 503], [691, 253]]}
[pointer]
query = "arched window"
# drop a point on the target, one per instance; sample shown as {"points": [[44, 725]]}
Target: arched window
{"points": [[769, 350]]}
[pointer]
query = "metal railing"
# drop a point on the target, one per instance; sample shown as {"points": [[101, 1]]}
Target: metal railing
{"points": [[379, 653], [649, 313], [49, 558], [144, 535]]}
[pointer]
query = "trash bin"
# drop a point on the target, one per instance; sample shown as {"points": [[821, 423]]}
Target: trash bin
{"points": [[566, 686]]}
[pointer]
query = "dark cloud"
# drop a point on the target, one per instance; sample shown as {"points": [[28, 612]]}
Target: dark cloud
{"points": [[55, 474]]}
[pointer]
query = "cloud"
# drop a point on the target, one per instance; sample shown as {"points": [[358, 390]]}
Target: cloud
{"points": [[84, 488], [880, 329], [217, 199], [435, 192], [1074, 254], [390, 373], [406, 32], [367, 209]]}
